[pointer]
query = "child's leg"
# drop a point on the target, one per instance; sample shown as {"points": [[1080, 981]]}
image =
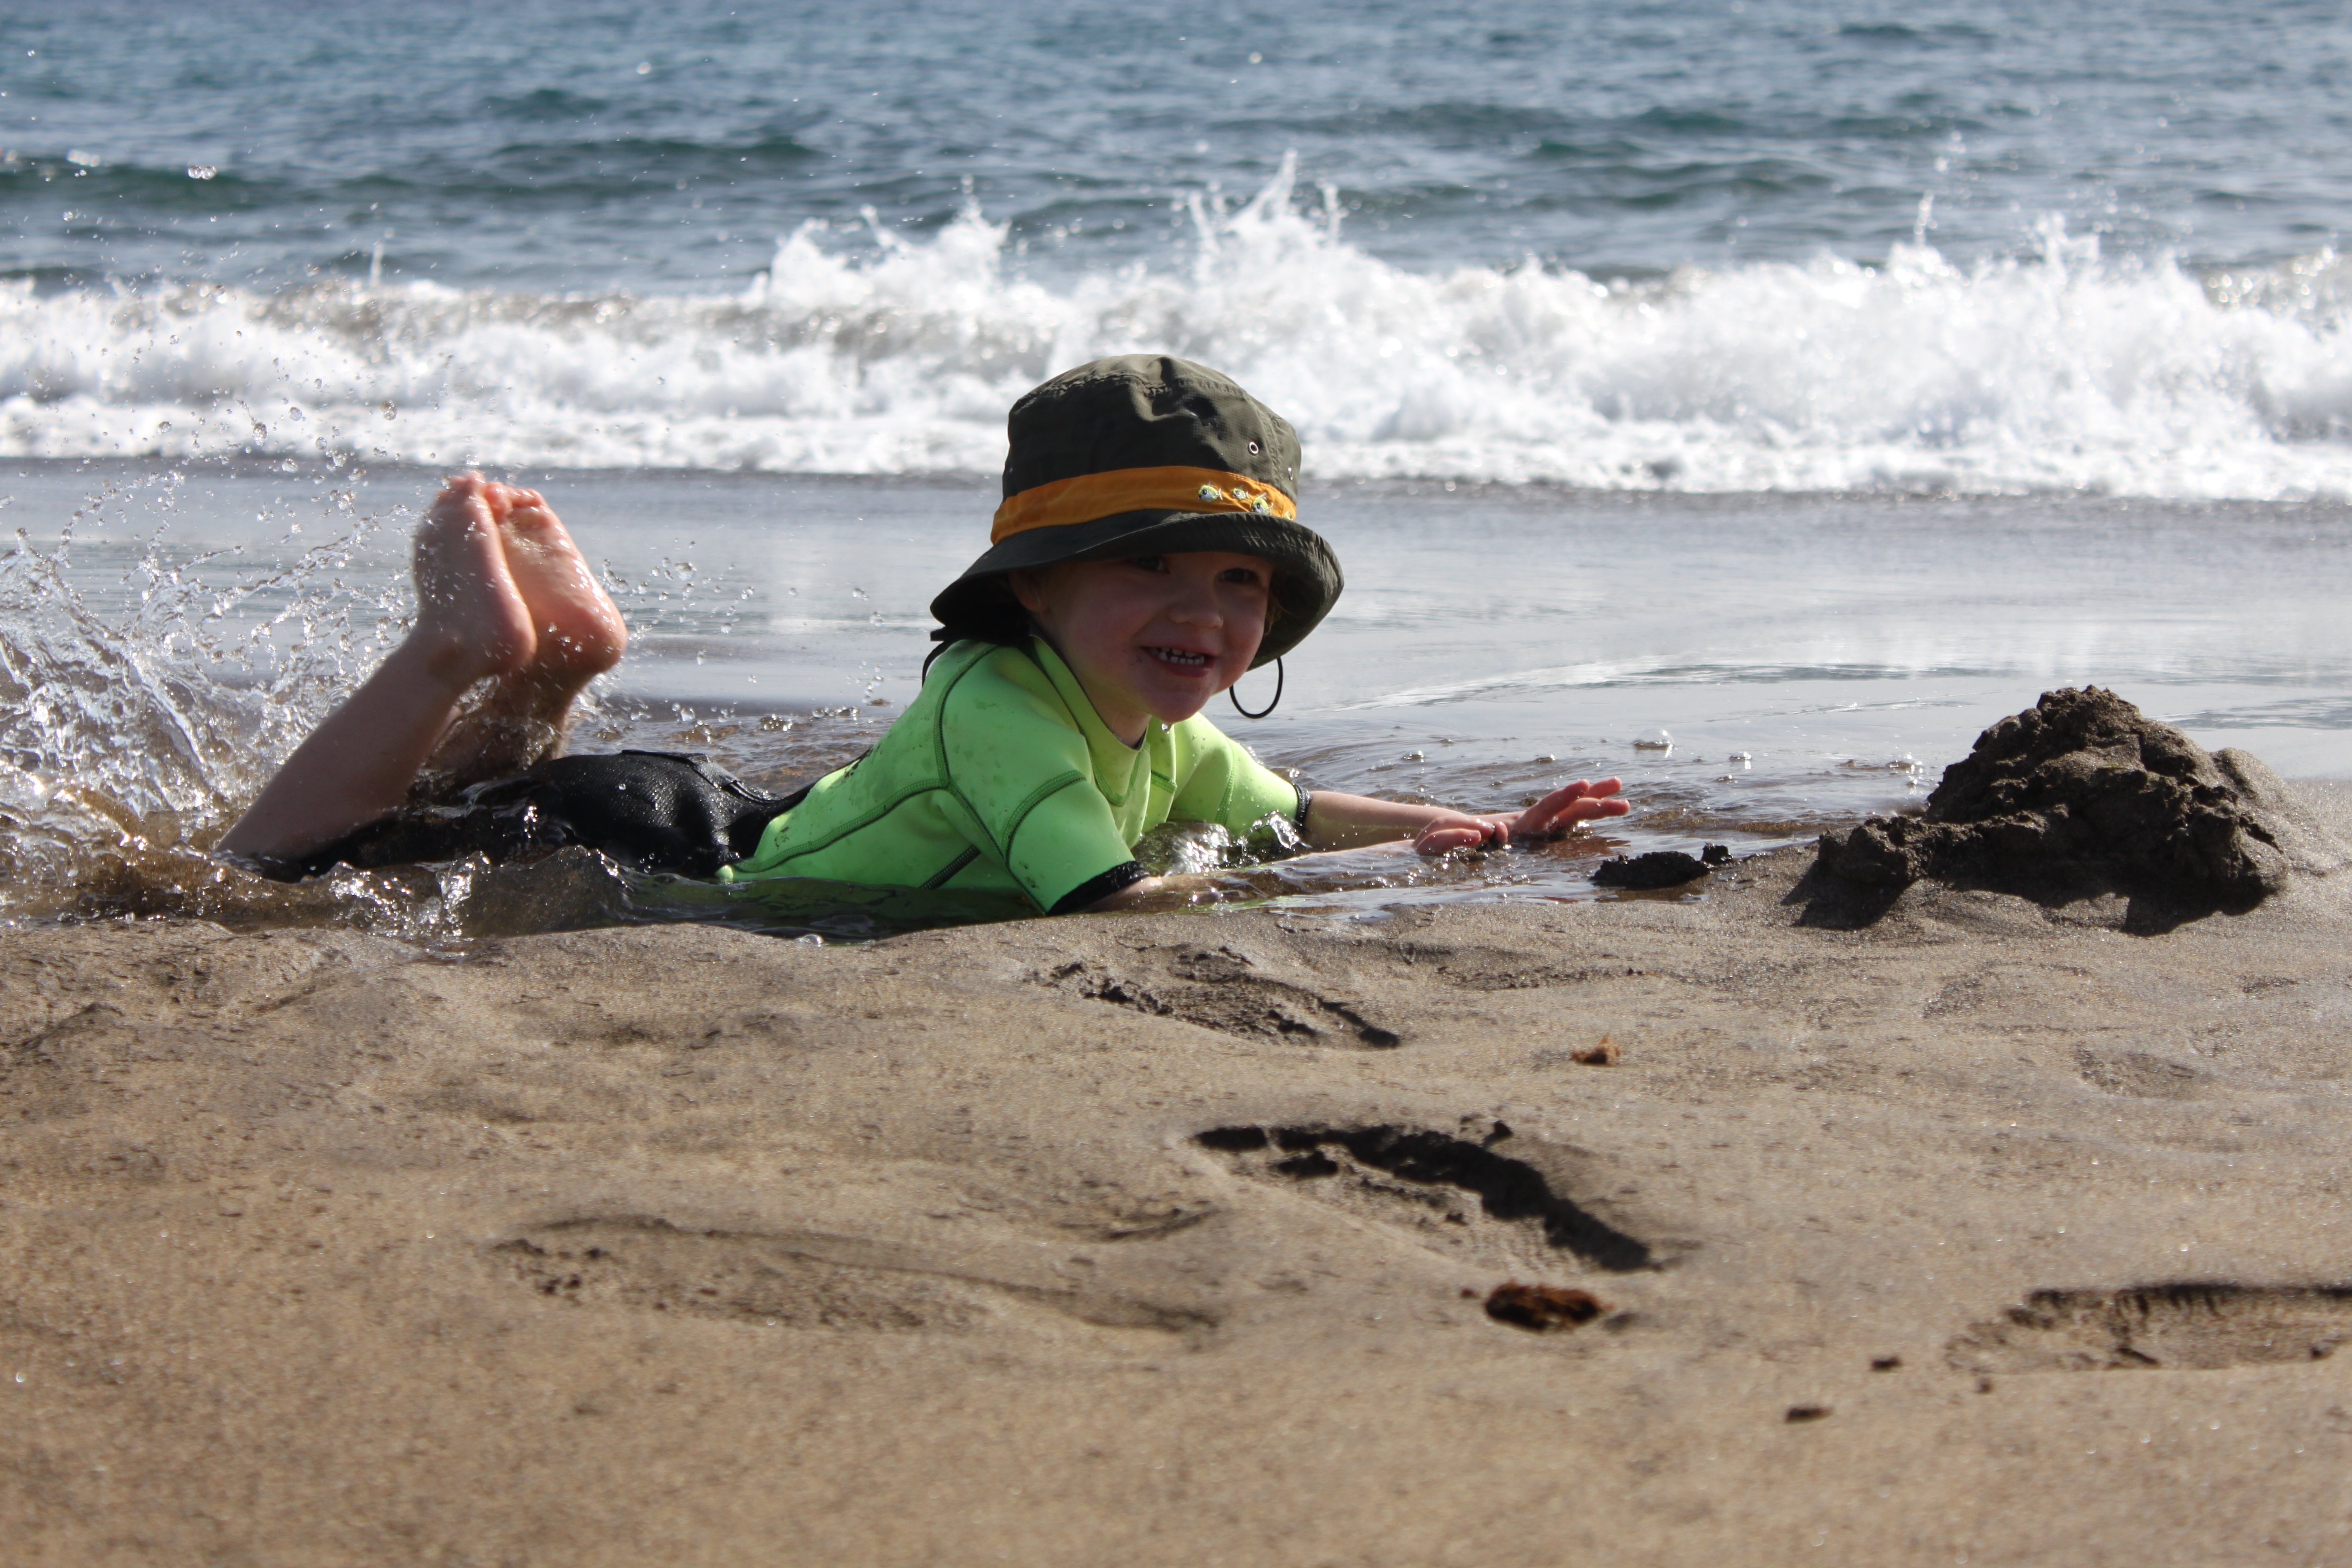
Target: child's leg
{"points": [[522, 715], [493, 565]]}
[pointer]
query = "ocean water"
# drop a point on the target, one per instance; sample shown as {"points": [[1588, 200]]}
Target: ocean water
{"points": [[1813, 383]]}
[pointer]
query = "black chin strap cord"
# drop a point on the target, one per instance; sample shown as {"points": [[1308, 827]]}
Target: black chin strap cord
{"points": [[1234, 692]]}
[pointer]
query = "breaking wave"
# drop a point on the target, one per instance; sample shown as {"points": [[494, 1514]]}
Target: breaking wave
{"points": [[2058, 369]]}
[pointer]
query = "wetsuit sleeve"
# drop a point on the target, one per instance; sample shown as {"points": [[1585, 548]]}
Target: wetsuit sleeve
{"points": [[1017, 763], [1222, 782]]}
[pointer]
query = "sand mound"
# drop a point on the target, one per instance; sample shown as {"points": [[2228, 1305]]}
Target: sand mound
{"points": [[2085, 794]]}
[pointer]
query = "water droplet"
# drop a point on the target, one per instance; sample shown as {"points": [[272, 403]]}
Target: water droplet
{"points": [[645, 67], [202, 171], [288, 466]]}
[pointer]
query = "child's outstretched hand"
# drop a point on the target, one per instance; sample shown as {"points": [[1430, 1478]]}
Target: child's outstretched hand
{"points": [[1586, 800]]}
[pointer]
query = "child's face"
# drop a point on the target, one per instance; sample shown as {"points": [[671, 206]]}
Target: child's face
{"points": [[1153, 637]]}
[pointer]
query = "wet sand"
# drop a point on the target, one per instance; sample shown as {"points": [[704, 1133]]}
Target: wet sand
{"points": [[1167, 1239]]}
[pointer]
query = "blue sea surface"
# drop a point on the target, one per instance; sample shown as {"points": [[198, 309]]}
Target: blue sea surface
{"points": [[551, 145]]}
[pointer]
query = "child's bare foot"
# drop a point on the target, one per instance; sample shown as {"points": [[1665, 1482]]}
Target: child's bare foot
{"points": [[579, 632], [472, 620], [572, 634]]}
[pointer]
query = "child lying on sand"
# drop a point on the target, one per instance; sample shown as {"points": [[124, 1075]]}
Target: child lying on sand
{"points": [[1147, 555]]}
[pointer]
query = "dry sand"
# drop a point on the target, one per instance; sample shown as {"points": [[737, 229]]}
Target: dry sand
{"points": [[684, 1245]]}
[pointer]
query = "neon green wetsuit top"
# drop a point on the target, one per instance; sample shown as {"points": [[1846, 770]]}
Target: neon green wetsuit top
{"points": [[1001, 777]]}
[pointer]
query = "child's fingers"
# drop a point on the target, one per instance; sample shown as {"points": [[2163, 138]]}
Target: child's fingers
{"points": [[1538, 818], [1583, 811], [1583, 801], [1440, 838]]}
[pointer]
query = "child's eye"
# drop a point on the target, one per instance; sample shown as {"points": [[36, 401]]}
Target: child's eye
{"points": [[1240, 575], [1150, 562]]}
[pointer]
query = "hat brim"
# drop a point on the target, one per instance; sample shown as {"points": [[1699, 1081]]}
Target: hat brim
{"points": [[1306, 580]]}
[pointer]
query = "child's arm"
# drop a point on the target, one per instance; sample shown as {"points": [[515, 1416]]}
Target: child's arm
{"points": [[1354, 821], [1349, 821]]}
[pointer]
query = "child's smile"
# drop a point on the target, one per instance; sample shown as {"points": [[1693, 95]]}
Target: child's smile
{"points": [[1152, 638]]}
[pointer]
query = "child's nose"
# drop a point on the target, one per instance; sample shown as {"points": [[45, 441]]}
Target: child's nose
{"points": [[1198, 608], [1201, 615]]}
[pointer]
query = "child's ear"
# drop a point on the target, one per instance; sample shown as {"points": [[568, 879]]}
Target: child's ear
{"points": [[1026, 589]]}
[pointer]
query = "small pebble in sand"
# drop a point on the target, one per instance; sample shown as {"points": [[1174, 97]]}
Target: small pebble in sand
{"points": [[1654, 741], [1547, 758], [1807, 1411], [1604, 1054], [1884, 1362], [1412, 756], [1740, 757], [1543, 1307]]}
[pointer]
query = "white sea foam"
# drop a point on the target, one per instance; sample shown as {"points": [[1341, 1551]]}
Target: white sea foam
{"points": [[2056, 370]]}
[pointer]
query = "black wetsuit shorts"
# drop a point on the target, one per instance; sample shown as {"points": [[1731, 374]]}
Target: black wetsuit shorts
{"points": [[650, 811]]}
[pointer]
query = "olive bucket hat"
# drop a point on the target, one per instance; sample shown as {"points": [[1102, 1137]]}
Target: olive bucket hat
{"points": [[1144, 455]]}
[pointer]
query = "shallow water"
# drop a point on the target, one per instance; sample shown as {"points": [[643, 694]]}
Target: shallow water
{"points": [[1808, 658]]}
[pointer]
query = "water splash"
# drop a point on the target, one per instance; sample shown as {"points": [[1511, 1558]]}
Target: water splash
{"points": [[130, 740], [147, 693]]}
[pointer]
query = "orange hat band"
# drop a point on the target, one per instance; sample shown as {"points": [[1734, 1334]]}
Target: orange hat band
{"points": [[1090, 496]]}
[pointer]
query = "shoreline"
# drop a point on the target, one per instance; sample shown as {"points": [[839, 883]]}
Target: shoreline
{"points": [[424, 476], [1148, 1238]]}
